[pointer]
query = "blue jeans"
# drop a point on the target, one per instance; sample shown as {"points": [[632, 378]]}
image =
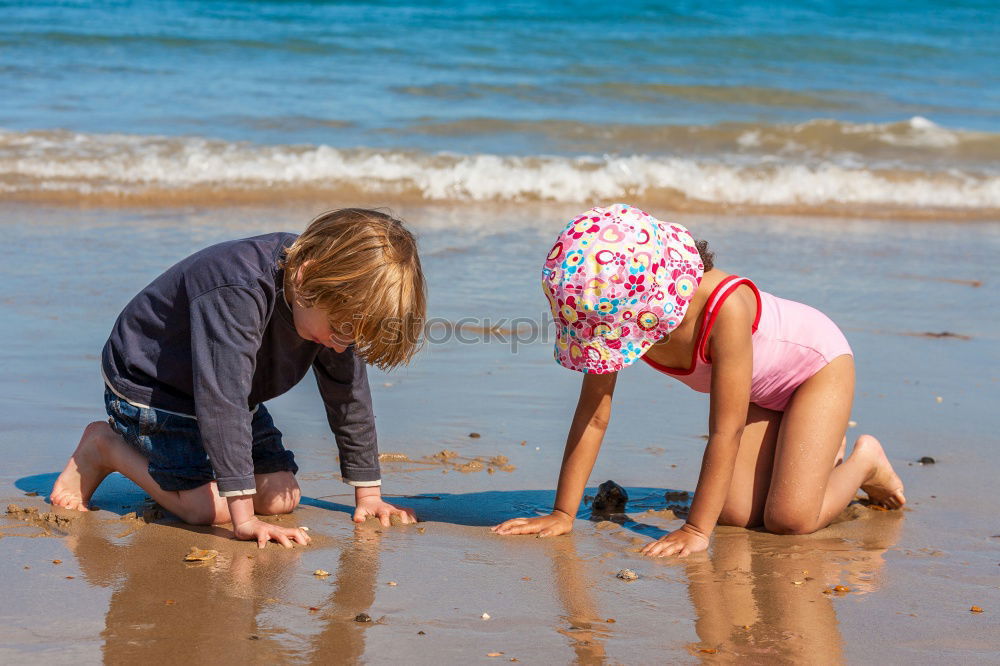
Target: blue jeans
{"points": [[172, 444]]}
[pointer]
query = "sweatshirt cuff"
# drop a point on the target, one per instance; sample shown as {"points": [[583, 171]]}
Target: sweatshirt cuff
{"points": [[234, 486], [363, 484], [237, 493]]}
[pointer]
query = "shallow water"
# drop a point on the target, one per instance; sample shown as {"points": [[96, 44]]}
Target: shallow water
{"points": [[823, 108]]}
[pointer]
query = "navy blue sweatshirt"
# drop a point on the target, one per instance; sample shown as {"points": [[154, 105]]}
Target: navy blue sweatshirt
{"points": [[214, 336]]}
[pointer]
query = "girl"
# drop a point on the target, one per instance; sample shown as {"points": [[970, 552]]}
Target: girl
{"points": [[623, 286]]}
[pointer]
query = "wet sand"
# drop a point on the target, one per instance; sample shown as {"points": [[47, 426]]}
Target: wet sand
{"points": [[123, 592]]}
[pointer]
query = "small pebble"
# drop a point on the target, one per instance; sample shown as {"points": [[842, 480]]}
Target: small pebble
{"points": [[494, 654], [474, 435], [321, 573], [939, 399], [926, 460], [199, 555], [524, 442], [975, 609], [486, 616], [627, 574], [254, 637], [392, 583], [362, 617], [56, 561], [421, 633], [852, 424]]}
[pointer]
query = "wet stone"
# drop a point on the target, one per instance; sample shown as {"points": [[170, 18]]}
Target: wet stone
{"points": [[362, 617], [927, 460], [610, 500]]}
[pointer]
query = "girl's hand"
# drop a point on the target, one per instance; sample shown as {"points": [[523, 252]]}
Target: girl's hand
{"points": [[262, 532], [681, 542], [554, 524], [373, 505]]}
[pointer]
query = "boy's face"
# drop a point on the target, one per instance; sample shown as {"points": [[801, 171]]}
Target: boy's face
{"points": [[313, 324]]}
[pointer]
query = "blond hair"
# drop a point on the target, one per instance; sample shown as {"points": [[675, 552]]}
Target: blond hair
{"points": [[361, 267]]}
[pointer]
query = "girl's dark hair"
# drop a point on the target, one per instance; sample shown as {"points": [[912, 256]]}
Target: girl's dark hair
{"points": [[707, 257]]}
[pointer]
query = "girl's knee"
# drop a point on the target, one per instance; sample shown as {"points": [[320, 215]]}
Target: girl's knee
{"points": [[788, 522], [735, 517]]}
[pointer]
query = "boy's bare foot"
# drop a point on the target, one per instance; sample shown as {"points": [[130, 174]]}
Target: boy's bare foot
{"points": [[85, 469], [883, 486]]}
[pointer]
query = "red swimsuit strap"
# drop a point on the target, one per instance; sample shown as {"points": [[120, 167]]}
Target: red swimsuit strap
{"points": [[724, 290], [721, 292]]}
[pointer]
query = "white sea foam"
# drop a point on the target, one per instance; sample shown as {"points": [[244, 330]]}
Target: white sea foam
{"points": [[86, 164]]}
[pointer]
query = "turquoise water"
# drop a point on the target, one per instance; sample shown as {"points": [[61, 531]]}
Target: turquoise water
{"points": [[851, 92]]}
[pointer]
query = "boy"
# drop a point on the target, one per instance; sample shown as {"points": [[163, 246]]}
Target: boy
{"points": [[195, 354]]}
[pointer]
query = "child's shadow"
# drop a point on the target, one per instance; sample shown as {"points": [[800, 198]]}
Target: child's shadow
{"points": [[482, 509]]}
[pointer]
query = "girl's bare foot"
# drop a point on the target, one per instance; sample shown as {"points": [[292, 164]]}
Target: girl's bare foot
{"points": [[883, 486], [84, 471]]}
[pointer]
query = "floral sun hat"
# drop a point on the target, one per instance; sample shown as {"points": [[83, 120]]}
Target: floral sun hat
{"points": [[617, 281]]}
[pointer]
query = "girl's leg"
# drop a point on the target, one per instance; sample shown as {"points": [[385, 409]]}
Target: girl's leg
{"points": [[752, 474], [102, 451], [807, 491]]}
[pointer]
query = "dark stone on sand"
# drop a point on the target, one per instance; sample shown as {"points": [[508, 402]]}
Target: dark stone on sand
{"points": [[254, 637], [927, 460], [610, 500], [945, 334], [474, 435], [421, 633], [362, 617]]}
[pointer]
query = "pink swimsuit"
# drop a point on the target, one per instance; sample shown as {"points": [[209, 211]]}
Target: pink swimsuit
{"points": [[791, 343]]}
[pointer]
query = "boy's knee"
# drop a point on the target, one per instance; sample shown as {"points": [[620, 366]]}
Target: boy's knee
{"points": [[277, 493], [203, 514], [98, 430], [273, 503], [201, 506]]}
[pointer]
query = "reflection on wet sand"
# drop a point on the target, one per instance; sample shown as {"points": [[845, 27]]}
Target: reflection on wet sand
{"points": [[342, 639], [760, 596], [586, 631], [239, 604]]}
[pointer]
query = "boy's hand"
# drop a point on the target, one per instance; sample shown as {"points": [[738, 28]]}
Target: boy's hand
{"points": [[682, 543], [262, 532], [369, 502], [554, 524]]}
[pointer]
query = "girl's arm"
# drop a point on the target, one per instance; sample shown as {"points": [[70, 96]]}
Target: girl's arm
{"points": [[731, 350], [593, 412]]}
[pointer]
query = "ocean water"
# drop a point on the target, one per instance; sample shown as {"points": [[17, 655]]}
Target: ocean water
{"points": [[818, 107]]}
